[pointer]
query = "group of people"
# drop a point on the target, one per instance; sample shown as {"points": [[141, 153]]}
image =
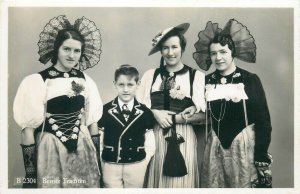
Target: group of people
{"points": [[145, 136]]}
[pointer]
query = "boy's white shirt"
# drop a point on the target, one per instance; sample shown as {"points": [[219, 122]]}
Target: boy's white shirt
{"points": [[149, 136]]}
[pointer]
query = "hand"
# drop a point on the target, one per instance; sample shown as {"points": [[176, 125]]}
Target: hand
{"points": [[163, 118], [189, 112]]}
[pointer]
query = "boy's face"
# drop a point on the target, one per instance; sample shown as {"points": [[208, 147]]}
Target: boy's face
{"points": [[126, 87]]}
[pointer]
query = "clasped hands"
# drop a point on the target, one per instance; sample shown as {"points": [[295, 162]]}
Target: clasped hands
{"points": [[164, 117]]}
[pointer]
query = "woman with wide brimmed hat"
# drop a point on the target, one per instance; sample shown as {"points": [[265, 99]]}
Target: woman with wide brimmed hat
{"points": [[58, 109], [174, 92], [236, 151]]}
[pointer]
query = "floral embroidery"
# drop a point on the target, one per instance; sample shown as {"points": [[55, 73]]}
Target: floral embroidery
{"points": [[237, 75], [75, 90], [74, 136], [54, 127], [48, 115], [75, 129], [177, 93], [213, 76], [223, 80], [77, 122], [53, 73], [51, 120], [59, 133], [73, 72], [66, 75], [63, 139]]}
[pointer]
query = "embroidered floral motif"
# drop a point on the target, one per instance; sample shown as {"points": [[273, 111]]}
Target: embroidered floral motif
{"points": [[167, 83], [79, 116], [51, 120], [223, 80], [48, 115], [74, 136], [53, 73], [76, 89], [237, 75], [75, 129], [54, 127], [73, 72], [213, 76], [176, 93], [59, 133], [63, 139], [77, 122]]}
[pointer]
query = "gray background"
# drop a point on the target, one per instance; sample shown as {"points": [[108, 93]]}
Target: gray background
{"points": [[127, 34]]}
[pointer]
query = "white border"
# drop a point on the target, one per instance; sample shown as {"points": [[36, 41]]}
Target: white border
{"points": [[145, 3]]}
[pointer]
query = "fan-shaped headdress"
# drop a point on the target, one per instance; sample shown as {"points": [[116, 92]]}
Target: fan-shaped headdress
{"points": [[87, 29], [244, 43]]}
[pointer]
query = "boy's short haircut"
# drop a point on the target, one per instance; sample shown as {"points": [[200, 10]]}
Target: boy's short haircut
{"points": [[127, 70]]}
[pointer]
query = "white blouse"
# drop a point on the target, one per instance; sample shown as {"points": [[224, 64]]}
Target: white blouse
{"points": [[182, 82], [33, 93]]}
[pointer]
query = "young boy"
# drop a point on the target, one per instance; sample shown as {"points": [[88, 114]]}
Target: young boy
{"points": [[128, 139]]}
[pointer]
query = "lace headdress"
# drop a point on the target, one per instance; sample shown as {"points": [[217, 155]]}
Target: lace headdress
{"points": [[87, 29], [244, 43]]}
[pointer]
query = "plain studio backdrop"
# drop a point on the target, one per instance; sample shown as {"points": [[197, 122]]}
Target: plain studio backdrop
{"points": [[126, 39]]}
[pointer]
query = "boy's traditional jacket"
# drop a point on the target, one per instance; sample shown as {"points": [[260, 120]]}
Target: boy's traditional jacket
{"points": [[124, 140]]}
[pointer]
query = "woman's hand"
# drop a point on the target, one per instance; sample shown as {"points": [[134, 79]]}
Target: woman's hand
{"points": [[189, 112], [163, 118]]}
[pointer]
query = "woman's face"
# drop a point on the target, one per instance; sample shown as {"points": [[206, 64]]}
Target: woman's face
{"points": [[171, 50], [221, 56], [68, 54]]}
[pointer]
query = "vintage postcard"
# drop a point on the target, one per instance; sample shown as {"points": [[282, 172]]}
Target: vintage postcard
{"points": [[232, 66]]}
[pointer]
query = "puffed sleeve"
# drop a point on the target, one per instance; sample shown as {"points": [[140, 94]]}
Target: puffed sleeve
{"points": [[259, 111], [143, 93], [198, 91], [28, 106], [93, 102]]}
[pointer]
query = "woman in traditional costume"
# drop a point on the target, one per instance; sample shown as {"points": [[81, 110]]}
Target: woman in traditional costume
{"points": [[174, 92], [58, 108], [236, 152]]}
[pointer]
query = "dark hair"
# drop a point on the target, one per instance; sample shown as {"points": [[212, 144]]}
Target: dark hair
{"points": [[223, 39], [61, 37], [127, 70], [182, 39]]}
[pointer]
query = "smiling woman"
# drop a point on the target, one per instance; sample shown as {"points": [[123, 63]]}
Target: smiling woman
{"points": [[174, 92], [68, 55], [58, 121]]}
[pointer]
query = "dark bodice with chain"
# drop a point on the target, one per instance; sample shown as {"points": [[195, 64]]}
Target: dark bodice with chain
{"points": [[230, 113]]}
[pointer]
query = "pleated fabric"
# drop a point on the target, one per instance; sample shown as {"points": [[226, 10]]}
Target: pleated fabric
{"points": [[155, 177], [58, 168], [232, 167]]}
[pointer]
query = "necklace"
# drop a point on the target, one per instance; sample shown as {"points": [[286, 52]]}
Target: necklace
{"points": [[222, 107]]}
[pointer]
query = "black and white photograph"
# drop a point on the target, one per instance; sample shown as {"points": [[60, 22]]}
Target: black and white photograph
{"points": [[156, 96]]}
